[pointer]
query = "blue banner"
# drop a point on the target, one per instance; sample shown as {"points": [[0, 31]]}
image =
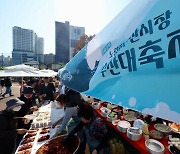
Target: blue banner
{"points": [[134, 61]]}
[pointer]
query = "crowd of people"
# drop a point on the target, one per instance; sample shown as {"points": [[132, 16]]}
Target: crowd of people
{"points": [[7, 84], [35, 92]]}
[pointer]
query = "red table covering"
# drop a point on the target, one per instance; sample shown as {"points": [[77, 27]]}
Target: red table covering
{"points": [[139, 145]]}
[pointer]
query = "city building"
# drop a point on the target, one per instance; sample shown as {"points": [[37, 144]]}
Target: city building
{"points": [[66, 38], [5, 61], [49, 58], [27, 46], [76, 33], [39, 49], [19, 57]]}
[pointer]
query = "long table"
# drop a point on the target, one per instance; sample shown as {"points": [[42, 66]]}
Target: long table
{"points": [[55, 114], [139, 145]]}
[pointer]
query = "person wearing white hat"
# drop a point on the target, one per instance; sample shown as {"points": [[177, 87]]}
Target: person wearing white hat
{"points": [[8, 130]]}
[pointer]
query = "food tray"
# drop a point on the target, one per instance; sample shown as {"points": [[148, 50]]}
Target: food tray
{"points": [[162, 128], [156, 134], [36, 144]]}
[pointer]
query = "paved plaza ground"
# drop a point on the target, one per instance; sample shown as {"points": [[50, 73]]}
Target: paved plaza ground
{"points": [[15, 91]]}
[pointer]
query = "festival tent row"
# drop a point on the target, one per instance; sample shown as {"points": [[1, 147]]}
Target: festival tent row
{"points": [[134, 61], [25, 71]]}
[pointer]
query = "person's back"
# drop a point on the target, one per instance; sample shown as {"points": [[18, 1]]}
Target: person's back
{"points": [[7, 82], [7, 132]]}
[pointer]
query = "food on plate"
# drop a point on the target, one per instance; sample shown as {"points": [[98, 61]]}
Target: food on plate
{"points": [[130, 118], [55, 146], [115, 122], [43, 138], [34, 129], [156, 134], [24, 152], [116, 110], [162, 128], [175, 127], [39, 119], [47, 127], [30, 117], [25, 147], [30, 134], [112, 115], [131, 113], [28, 140], [47, 117], [44, 131], [63, 132]]}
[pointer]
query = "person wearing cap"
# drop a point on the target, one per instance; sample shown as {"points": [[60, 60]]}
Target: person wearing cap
{"points": [[8, 129], [29, 99]]}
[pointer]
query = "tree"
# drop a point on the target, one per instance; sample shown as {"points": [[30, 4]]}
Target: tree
{"points": [[84, 39]]}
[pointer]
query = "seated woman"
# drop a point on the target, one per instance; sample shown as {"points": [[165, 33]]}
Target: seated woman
{"points": [[95, 130]]}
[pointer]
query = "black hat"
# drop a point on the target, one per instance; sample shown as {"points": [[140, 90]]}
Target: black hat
{"points": [[28, 90], [13, 102]]}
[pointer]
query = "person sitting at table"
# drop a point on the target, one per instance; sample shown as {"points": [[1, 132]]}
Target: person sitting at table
{"points": [[8, 129], [95, 130]]}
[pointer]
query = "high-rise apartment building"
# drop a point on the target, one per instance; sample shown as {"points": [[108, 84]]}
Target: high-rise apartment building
{"points": [[40, 49], [23, 39], [49, 58], [27, 46], [76, 33], [66, 37]]}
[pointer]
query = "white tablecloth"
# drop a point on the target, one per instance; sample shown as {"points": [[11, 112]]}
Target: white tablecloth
{"points": [[55, 114]]}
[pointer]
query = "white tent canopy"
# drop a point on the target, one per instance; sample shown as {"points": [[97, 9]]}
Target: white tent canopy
{"points": [[21, 67], [50, 72], [23, 71]]}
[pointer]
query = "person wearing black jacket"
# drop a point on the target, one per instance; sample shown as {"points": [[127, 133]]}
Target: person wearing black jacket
{"points": [[47, 90], [8, 84], [8, 129], [95, 130], [1, 85], [29, 99]]}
